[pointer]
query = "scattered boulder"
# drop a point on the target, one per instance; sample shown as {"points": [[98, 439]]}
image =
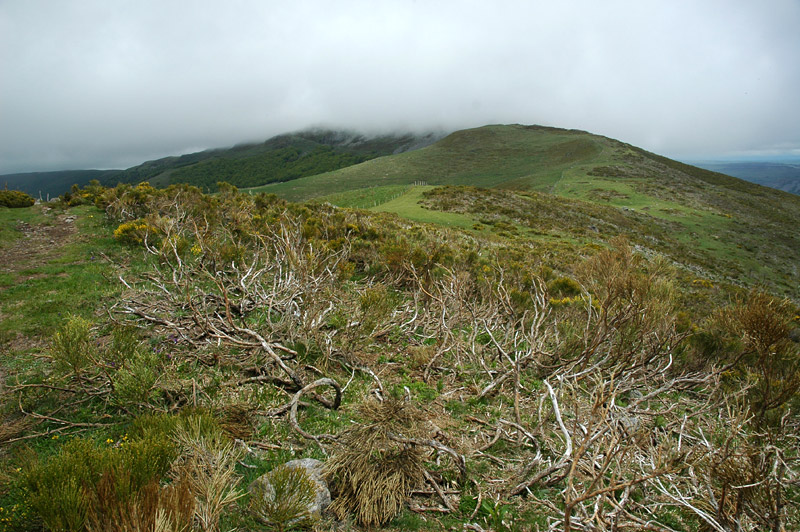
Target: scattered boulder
{"points": [[630, 425], [314, 469], [267, 489]]}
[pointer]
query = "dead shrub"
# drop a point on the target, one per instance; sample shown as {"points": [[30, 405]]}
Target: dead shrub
{"points": [[208, 466]]}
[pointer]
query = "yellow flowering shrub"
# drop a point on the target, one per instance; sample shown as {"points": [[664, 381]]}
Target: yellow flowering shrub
{"points": [[134, 232]]}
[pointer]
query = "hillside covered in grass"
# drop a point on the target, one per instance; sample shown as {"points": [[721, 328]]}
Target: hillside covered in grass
{"points": [[281, 158], [459, 358], [721, 227]]}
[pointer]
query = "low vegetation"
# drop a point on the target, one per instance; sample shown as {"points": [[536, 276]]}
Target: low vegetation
{"points": [[15, 199], [491, 377]]}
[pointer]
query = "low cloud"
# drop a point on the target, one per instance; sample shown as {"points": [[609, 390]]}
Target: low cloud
{"points": [[111, 84]]}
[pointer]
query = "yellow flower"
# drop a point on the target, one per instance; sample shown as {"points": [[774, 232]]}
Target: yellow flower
{"points": [[109, 440]]}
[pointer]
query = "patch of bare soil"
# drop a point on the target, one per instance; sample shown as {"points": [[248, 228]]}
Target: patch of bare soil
{"points": [[39, 244]]}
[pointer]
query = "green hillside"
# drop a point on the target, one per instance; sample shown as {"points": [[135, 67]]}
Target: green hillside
{"points": [[281, 158], [491, 156], [720, 226]]}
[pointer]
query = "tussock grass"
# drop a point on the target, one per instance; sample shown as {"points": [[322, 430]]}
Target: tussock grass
{"points": [[373, 474]]}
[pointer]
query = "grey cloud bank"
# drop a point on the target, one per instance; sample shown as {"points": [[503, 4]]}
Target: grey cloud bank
{"points": [[109, 84]]}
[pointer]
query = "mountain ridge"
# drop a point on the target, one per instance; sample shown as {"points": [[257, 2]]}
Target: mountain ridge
{"points": [[717, 222], [284, 156]]}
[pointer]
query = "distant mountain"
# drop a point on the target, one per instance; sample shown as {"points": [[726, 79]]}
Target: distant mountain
{"points": [[783, 176], [52, 184], [281, 158]]}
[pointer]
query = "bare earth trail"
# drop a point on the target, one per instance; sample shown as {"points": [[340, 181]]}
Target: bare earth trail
{"points": [[39, 244]]}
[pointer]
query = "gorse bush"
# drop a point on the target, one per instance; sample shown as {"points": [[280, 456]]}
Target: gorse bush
{"points": [[15, 199], [136, 232]]}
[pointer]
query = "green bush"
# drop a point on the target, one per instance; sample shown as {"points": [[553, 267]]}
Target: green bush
{"points": [[134, 382], [64, 490], [563, 287], [72, 347], [15, 199]]}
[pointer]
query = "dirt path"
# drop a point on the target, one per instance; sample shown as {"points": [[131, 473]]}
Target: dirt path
{"points": [[39, 244]]}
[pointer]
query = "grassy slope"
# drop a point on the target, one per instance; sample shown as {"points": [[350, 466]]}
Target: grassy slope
{"points": [[511, 156], [722, 226]]}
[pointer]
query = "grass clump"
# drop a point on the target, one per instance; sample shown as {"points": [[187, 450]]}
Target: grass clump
{"points": [[374, 474], [281, 499]]}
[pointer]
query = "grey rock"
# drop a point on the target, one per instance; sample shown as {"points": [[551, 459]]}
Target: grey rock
{"points": [[315, 472], [630, 424]]}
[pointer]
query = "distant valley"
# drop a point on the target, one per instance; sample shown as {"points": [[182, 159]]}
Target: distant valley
{"points": [[780, 175]]}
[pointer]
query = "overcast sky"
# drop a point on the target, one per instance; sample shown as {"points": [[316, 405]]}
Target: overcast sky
{"points": [[112, 83]]}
